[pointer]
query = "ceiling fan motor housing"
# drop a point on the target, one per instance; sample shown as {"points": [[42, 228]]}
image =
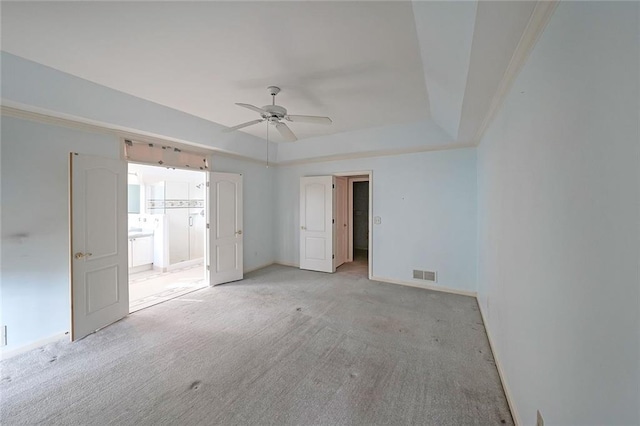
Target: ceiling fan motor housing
{"points": [[274, 111]]}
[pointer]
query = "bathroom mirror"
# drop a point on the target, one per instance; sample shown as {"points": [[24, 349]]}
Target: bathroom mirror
{"points": [[133, 198]]}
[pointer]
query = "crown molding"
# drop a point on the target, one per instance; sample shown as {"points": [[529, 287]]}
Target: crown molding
{"points": [[371, 154], [538, 21], [26, 112]]}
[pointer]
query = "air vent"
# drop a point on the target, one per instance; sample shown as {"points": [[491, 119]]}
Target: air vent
{"points": [[425, 275]]}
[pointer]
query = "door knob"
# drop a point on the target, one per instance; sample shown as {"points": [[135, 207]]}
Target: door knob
{"points": [[79, 255], [239, 232], [303, 228]]}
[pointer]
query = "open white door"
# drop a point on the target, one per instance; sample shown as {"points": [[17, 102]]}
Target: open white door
{"points": [[225, 228], [341, 220], [316, 223], [98, 223]]}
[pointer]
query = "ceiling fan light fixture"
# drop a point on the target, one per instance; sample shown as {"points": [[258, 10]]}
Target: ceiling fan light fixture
{"points": [[276, 114]]}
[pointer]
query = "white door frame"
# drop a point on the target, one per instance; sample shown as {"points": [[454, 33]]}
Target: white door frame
{"points": [[125, 235], [341, 199], [350, 207], [358, 177]]}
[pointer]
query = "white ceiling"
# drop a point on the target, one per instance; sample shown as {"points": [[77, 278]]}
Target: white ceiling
{"points": [[366, 64], [357, 62]]}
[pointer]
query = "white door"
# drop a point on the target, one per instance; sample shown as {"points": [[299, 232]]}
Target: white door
{"points": [[99, 243], [225, 228], [342, 235], [316, 223]]}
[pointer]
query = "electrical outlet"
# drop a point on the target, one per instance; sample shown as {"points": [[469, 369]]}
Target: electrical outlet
{"points": [[539, 420], [3, 335]]}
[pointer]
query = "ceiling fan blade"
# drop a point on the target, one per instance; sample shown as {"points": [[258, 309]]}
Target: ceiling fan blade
{"points": [[286, 132], [252, 108], [240, 126], [309, 119]]}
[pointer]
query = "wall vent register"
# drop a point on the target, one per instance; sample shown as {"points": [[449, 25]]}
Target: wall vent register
{"points": [[425, 275]]}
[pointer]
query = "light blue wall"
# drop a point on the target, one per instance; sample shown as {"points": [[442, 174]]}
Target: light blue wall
{"points": [[427, 203], [559, 221], [35, 248], [259, 237], [35, 225]]}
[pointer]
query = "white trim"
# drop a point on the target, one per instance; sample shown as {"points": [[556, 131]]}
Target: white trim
{"points": [[358, 174], [6, 354], [186, 264], [246, 271], [283, 263], [350, 182], [380, 153], [27, 112], [538, 21], [425, 286], [505, 387], [369, 178]]}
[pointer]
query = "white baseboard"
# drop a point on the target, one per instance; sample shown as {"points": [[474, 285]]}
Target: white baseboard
{"points": [[293, 265], [258, 267], [185, 264], [425, 286], [6, 354], [512, 406]]}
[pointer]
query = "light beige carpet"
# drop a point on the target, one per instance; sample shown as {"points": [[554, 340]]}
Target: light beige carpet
{"points": [[284, 346]]}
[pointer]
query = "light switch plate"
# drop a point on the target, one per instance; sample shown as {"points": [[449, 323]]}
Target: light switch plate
{"points": [[377, 220]]}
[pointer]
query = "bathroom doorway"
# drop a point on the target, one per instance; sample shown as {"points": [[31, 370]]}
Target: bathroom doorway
{"points": [[167, 233]]}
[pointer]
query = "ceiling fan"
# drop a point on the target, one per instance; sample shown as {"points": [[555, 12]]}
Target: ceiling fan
{"points": [[275, 114]]}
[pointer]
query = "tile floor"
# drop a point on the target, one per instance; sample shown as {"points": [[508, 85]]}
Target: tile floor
{"points": [[149, 288]]}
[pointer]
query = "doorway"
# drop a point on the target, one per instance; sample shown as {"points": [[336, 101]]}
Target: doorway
{"points": [[166, 233], [357, 226], [327, 223], [104, 244]]}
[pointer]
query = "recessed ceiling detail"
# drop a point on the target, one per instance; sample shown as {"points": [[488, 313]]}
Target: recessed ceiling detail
{"points": [[356, 62], [366, 64]]}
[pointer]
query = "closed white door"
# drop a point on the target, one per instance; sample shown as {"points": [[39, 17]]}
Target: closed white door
{"points": [[99, 243], [225, 228], [316, 223]]}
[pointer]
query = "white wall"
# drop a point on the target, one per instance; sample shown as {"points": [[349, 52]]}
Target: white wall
{"points": [[35, 242], [427, 202], [559, 222]]}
